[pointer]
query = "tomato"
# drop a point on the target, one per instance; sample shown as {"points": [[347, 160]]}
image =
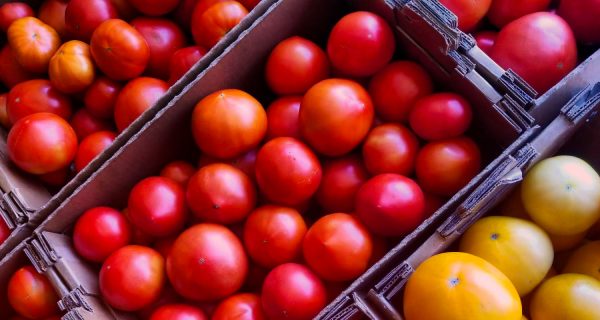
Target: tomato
{"points": [[291, 291], [335, 116], [360, 44], [197, 7], [456, 285], [183, 60], [228, 123], [125, 9], [4, 120], [99, 232], [11, 11], [101, 96], [91, 147], [581, 15], [33, 43], [85, 124], [287, 171], [562, 195], [341, 180], [42, 143], [550, 43], [183, 12], [567, 296], [4, 231], [221, 193], [207, 262], [390, 205], [210, 26], [36, 96], [31, 294], [132, 277], [250, 4], [441, 116], [295, 65], [164, 38], [12, 72], [52, 12], [564, 243], [155, 7], [57, 178], [137, 96], [157, 206], [446, 166], [432, 204], [504, 11], [273, 235], [283, 118], [178, 171], [242, 306], [82, 17], [119, 50], [178, 312], [469, 13], [585, 260], [71, 68], [390, 148], [485, 40]]}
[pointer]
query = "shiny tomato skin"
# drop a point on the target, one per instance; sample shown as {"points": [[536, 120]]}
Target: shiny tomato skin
{"points": [[42, 143], [469, 13], [31, 294], [33, 43], [390, 205], [582, 17], [295, 65], [446, 166], [4, 231], [11, 11], [52, 12], [72, 68], [207, 263], [99, 232], [12, 72], [82, 17], [35, 96], [485, 40], [335, 116], [178, 171], [92, 146], [283, 118], [119, 50], [390, 148], [85, 124], [287, 171], [164, 37], [210, 26], [360, 44], [441, 116], [503, 12], [291, 291], [101, 96], [241, 306], [154, 8], [342, 177], [132, 277], [178, 312], [183, 60], [137, 96]]}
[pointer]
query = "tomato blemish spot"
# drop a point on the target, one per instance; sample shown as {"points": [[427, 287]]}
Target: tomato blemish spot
{"points": [[454, 282], [568, 187], [216, 206], [495, 236], [202, 260]]}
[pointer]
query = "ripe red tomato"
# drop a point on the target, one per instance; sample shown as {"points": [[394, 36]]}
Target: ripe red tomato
{"points": [[390, 148], [360, 44], [210, 26], [485, 40], [295, 65], [4, 120], [91, 147], [390, 205], [12, 72], [119, 50], [157, 206], [178, 171], [11, 11], [291, 291], [52, 12], [4, 231], [82, 17], [446, 166], [33, 43], [441, 116], [207, 262], [242, 306], [42, 143], [283, 118], [341, 180], [85, 124], [287, 171], [338, 247], [164, 246], [137, 96], [273, 235], [132, 277], [335, 116], [101, 96], [221, 193], [550, 43], [99, 232], [183, 60], [183, 13], [469, 13], [228, 123], [178, 312], [582, 16], [31, 294], [504, 11], [245, 162], [164, 38], [155, 7], [125, 9], [71, 68], [34, 96]]}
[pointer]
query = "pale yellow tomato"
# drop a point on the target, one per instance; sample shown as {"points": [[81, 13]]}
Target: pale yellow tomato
{"points": [[585, 260], [567, 297]]}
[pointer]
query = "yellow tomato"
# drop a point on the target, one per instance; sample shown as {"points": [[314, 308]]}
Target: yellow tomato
{"points": [[568, 242], [567, 297], [517, 247], [458, 286], [513, 206], [585, 260], [562, 195]]}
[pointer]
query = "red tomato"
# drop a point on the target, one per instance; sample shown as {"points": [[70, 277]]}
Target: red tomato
{"points": [[91, 147], [446, 166], [137, 96], [52, 12], [335, 116], [582, 16], [9, 12], [504, 11], [36, 96], [125, 9], [207, 263], [396, 87], [99, 232], [273, 235], [132, 277], [4, 231], [4, 120], [341, 180], [85, 124], [250, 4], [228, 123], [178, 312], [184, 11], [295, 65], [390, 148], [178, 171], [390, 205], [101, 96], [283, 118], [287, 171], [550, 43], [360, 44], [338, 247], [31, 294], [82, 17], [57, 178], [12, 72], [164, 246], [72, 68], [196, 7], [242, 306], [441, 116], [164, 38], [432, 204], [210, 26], [183, 60], [155, 7], [157, 206], [292, 292], [221, 193], [245, 162], [42, 143], [168, 296], [33, 43], [485, 40], [119, 50], [468, 12]]}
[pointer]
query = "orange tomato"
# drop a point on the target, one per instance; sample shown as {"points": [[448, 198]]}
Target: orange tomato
{"points": [[585, 260], [52, 12], [71, 67], [210, 26], [12, 72], [567, 297], [33, 43]]}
